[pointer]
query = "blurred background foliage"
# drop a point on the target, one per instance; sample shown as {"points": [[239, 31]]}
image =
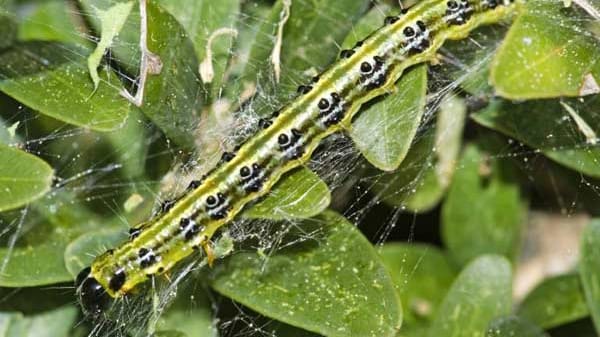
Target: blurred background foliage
{"points": [[469, 211]]}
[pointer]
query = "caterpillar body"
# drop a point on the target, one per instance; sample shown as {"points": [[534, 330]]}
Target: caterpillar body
{"points": [[284, 141]]}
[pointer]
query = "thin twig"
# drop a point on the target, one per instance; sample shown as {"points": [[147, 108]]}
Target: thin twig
{"points": [[586, 6], [590, 136], [276, 54], [150, 63], [206, 70]]}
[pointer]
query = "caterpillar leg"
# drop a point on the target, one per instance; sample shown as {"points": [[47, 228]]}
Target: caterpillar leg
{"points": [[167, 275], [210, 255]]}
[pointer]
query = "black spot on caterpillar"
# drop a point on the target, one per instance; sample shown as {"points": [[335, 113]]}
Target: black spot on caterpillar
{"points": [[291, 144], [117, 280], [134, 232], [189, 228], [373, 73], [459, 11], [217, 206], [284, 141], [146, 257], [251, 177], [332, 109]]}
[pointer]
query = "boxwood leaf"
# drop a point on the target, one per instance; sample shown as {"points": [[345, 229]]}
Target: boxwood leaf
{"points": [[513, 326], [191, 314], [200, 19], [81, 252], [6, 134], [49, 76], [589, 271], [422, 275], [37, 258], [54, 323], [34, 265], [172, 98], [554, 302], [50, 21], [23, 177], [421, 180], [334, 285], [125, 46], [367, 23], [418, 331], [489, 186], [548, 52], [560, 130], [385, 130], [170, 333], [299, 194], [8, 30], [311, 24], [487, 283], [111, 20], [474, 56], [285, 330], [130, 144]]}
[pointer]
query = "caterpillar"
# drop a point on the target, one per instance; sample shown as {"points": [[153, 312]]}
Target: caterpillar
{"points": [[284, 141]]}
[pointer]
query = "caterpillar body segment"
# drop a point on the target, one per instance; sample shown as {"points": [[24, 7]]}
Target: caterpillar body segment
{"points": [[283, 142]]}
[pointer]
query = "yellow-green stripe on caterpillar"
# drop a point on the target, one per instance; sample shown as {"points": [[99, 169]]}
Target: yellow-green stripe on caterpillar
{"points": [[284, 141]]}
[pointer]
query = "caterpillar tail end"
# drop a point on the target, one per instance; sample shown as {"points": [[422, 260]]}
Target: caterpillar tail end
{"points": [[93, 298]]}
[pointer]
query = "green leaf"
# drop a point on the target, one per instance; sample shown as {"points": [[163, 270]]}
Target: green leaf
{"points": [[49, 76], [125, 46], [50, 21], [170, 333], [333, 284], [23, 177], [6, 134], [487, 185], [248, 25], [284, 330], [87, 242], [427, 170], [422, 275], [556, 134], [589, 271], [419, 331], [481, 292], [200, 19], [376, 130], [34, 265], [8, 30], [54, 323], [385, 130], [111, 20], [473, 57], [172, 98], [311, 25], [513, 326], [554, 302], [37, 258], [130, 144], [81, 252], [191, 314], [369, 22], [548, 52], [299, 194]]}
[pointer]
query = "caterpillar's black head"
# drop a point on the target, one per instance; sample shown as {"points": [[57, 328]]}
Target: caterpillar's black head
{"points": [[93, 298]]}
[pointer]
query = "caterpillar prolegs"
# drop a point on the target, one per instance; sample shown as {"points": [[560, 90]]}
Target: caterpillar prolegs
{"points": [[284, 141]]}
